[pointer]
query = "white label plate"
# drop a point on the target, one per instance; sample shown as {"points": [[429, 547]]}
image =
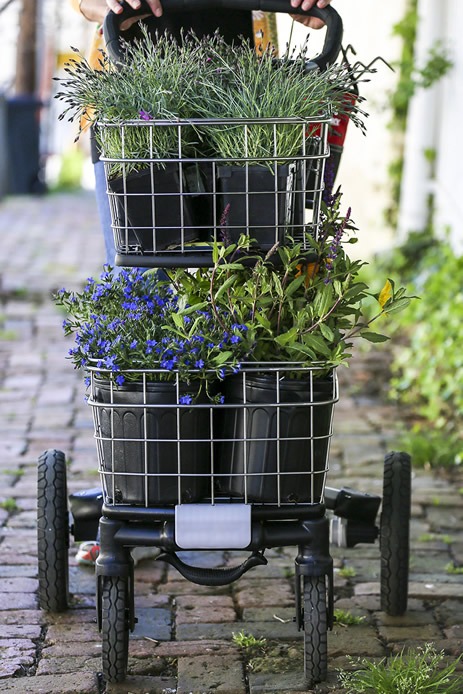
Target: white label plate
{"points": [[225, 526]]}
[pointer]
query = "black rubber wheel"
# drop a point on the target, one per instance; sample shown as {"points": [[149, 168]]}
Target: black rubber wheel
{"points": [[315, 630], [115, 627], [53, 532], [395, 533]]}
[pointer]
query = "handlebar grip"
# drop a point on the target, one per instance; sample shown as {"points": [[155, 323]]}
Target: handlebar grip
{"points": [[331, 46]]}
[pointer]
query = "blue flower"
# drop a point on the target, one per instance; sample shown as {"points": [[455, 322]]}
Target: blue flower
{"points": [[185, 400], [110, 363], [199, 364]]}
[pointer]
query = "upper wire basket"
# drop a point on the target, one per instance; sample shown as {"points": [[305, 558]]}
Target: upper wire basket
{"points": [[166, 212]]}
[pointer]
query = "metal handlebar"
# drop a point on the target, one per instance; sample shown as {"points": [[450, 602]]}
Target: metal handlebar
{"points": [[333, 36]]}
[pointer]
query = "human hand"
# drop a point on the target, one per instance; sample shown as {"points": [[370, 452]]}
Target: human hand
{"points": [[116, 7], [311, 22]]}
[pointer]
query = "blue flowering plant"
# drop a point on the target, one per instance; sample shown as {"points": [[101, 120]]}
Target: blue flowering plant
{"points": [[133, 320], [302, 304]]}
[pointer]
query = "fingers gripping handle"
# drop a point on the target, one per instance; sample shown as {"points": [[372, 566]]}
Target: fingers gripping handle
{"points": [[333, 35]]}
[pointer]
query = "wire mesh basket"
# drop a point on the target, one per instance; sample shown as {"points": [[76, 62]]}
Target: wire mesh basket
{"points": [[263, 440], [171, 195]]}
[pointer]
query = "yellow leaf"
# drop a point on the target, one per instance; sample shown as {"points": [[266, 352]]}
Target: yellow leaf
{"points": [[385, 294], [309, 269]]}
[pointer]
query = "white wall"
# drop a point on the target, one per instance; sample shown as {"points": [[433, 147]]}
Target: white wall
{"points": [[363, 171], [449, 140], [434, 122]]}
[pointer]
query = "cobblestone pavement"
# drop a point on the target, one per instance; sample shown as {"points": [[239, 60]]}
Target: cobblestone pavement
{"points": [[182, 642]]}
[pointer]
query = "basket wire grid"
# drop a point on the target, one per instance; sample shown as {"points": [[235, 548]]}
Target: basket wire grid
{"points": [[168, 207], [266, 443]]}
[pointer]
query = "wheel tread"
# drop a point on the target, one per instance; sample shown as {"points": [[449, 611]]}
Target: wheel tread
{"points": [[394, 533], [115, 628], [52, 531], [315, 630]]}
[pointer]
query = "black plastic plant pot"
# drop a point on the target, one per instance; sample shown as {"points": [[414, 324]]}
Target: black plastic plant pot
{"points": [[275, 453], [151, 454], [199, 178], [257, 202], [149, 210]]}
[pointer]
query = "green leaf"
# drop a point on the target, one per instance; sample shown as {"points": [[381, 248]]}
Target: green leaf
{"points": [[223, 288], [195, 307], [396, 306], [373, 337], [178, 320], [286, 337], [323, 300], [222, 358], [262, 320], [294, 285], [301, 348], [318, 344], [326, 332]]}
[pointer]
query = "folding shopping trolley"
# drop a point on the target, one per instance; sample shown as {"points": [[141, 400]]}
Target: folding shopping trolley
{"points": [[244, 474]]}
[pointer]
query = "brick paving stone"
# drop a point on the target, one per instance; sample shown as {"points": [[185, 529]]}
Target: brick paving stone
{"points": [[22, 617], [212, 673], [63, 666], [144, 597], [263, 592], [200, 608], [91, 647], [436, 590], [72, 616], [184, 648], [17, 601], [153, 622], [274, 682], [75, 683], [358, 640], [428, 632], [27, 631], [65, 632], [144, 685], [207, 630], [276, 615], [411, 618]]}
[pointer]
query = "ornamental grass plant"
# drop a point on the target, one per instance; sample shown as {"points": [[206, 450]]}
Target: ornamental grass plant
{"points": [[254, 86], [200, 78], [418, 671]]}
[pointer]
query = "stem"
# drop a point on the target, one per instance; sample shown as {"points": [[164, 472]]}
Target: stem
{"points": [[213, 304], [360, 326]]}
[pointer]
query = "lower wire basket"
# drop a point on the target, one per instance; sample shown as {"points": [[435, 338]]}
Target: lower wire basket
{"points": [[266, 442]]}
